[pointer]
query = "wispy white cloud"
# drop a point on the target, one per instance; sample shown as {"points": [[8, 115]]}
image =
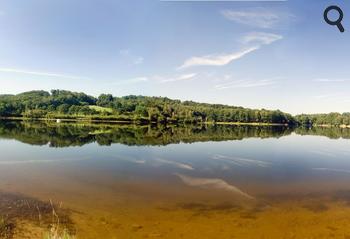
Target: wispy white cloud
{"points": [[251, 42], [183, 77], [134, 59], [261, 38], [138, 60], [40, 73], [217, 60], [244, 84], [257, 17]]}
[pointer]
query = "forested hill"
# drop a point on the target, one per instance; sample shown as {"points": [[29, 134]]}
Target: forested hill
{"points": [[336, 119], [71, 105]]}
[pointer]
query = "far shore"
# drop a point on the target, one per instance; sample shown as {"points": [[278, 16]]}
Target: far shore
{"points": [[59, 120], [145, 122]]}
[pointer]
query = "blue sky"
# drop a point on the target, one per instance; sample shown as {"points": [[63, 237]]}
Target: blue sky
{"points": [[274, 55]]}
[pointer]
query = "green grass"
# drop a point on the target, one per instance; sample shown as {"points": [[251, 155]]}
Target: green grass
{"points": [[101, 109]]}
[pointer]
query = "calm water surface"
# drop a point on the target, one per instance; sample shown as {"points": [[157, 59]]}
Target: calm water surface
{"points": [[108, 181]]}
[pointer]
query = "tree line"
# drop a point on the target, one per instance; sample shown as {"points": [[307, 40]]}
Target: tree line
{"points": [[61, 104], [335, 119], [70, 105]]}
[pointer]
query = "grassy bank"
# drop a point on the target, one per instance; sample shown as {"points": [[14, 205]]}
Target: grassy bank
{"points": [[331, 126]]}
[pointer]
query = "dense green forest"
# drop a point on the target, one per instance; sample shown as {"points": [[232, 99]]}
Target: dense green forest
{"points": [[336, 119], [70, 105], [61, 104]]}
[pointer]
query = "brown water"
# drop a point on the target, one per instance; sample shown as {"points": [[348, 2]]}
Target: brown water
{"points": [[107, 181]]}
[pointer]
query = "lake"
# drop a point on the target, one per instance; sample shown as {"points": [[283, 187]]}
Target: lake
{"points": [[126, 181]]}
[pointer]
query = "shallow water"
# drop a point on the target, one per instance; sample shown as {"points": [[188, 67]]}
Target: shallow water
{"points": [[176, 182]]}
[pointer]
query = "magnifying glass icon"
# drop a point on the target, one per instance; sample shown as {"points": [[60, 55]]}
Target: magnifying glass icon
{"points": [[334, 22]]}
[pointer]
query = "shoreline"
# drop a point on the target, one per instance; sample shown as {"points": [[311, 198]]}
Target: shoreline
{"points": [[137, 122], [147, 122], [343, 126]]}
